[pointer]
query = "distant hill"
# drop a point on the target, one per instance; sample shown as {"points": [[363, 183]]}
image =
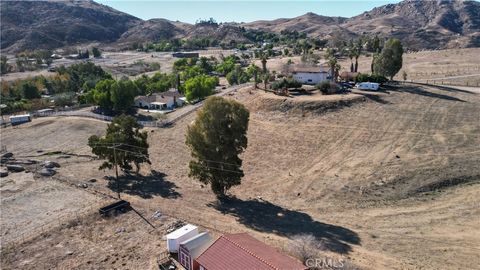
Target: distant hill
{"points": [[50, 24], [27, 25], [310, 23], [419, 24], [158, 29]]}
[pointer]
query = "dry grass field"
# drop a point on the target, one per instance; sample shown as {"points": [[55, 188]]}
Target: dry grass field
{"points": [[386, 180]]}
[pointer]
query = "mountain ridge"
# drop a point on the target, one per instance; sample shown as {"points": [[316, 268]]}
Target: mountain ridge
{"points": [[419, 24]]}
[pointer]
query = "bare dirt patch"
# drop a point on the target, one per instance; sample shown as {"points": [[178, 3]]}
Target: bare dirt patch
{"points": [[302, 104]]}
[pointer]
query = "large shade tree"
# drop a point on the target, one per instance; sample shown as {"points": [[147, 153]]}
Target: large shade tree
{"points": [[389, 62], [123, 145], [216, 138]]}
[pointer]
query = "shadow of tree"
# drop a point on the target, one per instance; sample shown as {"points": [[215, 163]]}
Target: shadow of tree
{"points": [[146, 187], [423, 92], [451, 89], [267, 217]]}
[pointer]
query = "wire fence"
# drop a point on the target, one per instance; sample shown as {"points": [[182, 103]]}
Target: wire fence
{"points": [[158, 124], [445, 83]]}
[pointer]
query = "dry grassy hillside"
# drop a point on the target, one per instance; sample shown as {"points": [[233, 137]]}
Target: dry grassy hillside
{"points": [[387, 183]]}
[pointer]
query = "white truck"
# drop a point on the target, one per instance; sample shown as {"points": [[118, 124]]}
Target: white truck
{"points": [[368, 86], [20, 119]]}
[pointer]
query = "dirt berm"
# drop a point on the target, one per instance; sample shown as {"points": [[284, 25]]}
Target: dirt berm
{"points": [[303, 104]]}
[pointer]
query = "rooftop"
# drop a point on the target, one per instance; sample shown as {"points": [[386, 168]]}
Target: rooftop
{"points": [[241, 251], [183, 230], [315, 69], [197, 244]]}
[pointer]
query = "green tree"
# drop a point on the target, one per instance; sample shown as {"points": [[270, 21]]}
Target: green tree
{"points": [[199, 87], [351, 55], [28, 90], [216, 138], [332, 63], [266, 79], [237, 76], [122, 94], [264, 63], [356, 53], [227, 65], [4, 67], [96, 52], [123, 145], [253, 71], [101, 94], [389, 62]]}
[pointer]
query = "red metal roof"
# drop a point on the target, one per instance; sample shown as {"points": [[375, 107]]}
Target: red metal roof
{"points": [[242, 252]]}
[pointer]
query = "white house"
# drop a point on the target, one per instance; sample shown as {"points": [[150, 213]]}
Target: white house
{"points": [[310, 75], [160, 101]]}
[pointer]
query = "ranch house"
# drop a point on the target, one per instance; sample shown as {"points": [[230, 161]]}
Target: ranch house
{"points": [[310, 75], [160, 101]]}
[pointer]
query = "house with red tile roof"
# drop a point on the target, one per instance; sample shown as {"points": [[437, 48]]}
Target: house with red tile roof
{"points": [[241, 251]]}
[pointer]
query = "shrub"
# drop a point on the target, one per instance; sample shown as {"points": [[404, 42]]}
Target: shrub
{"points": [[304, 247], [370, 78], [328, 88], [286, 83]]}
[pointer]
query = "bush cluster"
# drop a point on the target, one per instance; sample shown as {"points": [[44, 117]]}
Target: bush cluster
{"points": [[328, 88], [370, 78]]}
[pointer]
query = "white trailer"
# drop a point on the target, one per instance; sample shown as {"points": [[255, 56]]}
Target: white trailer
{"points": [[368, 86], [178, 236], [20, 119]]}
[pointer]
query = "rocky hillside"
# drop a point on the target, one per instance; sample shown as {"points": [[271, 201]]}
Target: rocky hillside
{"points": [[159, 29], [48, 24], [424, 24], [419, 24], [27, 25]]}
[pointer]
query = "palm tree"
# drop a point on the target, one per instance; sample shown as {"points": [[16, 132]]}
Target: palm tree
{"points": [[332, 63], [357, 52], [266, 77], [254, 70], [264, 62], [351, 55]]}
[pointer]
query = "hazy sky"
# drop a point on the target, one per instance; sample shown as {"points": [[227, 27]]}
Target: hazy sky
{"points": [[240, 11]]}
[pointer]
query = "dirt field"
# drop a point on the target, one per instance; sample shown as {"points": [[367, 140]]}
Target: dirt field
{"points": [[116, 63], [388, 182]]}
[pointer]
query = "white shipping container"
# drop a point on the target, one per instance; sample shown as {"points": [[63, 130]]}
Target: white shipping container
{"points": [[178, 236]]}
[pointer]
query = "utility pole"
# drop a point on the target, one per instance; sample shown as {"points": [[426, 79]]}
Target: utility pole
{"points": [[116, 170]]}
